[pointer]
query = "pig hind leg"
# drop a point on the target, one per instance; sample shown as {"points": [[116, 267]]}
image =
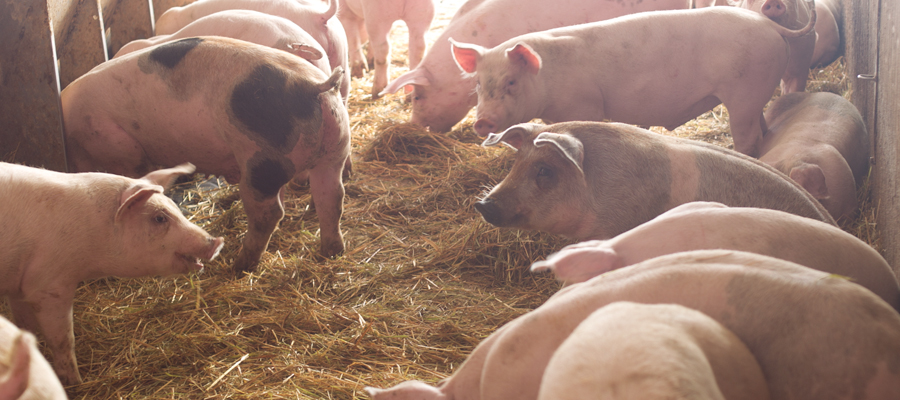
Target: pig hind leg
{"points": [[381, 52], [418, 21], [354, 26], [261, 191], [108, 148]]}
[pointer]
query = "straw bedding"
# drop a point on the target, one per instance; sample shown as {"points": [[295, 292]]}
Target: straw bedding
{"points": [[422, 281]]}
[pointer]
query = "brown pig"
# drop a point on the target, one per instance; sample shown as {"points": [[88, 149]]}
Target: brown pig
{"points": [[661, 351], [705, 225], [26, 375], [820, 141], [62, 229], [252, 114], [814, 335], [594, 180]]}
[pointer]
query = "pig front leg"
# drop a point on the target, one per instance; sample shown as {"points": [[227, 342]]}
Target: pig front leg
{"points": [[328, 197], [52, 317], [418, 23], [355, 28], [263, 215]]}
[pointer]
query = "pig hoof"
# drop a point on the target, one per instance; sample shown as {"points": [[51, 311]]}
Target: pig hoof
{"points": [[241, 267], [328, 250]]}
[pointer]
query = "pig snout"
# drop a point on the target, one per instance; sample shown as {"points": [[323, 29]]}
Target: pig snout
{"points": [[490, 211], [215, 246], [483, 127]]}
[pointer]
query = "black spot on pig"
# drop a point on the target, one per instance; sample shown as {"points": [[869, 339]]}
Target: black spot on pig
{"points": [[267, 175], [276, 107], [170, 54]]}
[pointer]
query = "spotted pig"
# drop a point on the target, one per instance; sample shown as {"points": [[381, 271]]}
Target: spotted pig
{"points": [[254, 115]]}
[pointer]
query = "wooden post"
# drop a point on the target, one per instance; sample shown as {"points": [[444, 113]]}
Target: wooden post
{"points": [[887, 129], [126, 20], [78, 28], [30, 116]]}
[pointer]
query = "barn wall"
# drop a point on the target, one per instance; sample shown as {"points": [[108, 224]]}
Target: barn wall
{"points": [[887, 127]]}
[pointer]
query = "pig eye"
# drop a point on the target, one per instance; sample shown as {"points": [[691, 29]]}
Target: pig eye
{"points": [[161, 218], [545, 178], [545, 172]]}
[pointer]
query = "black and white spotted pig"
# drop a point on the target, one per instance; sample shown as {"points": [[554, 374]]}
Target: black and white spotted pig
{"points": [[255, 115]]}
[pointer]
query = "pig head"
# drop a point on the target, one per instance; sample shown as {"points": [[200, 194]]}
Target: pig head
{"points": [[820, 141], [707, 226], [593, 180], [63, 229], [265, 117]]}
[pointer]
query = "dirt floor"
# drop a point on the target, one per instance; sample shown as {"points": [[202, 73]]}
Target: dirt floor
{"points": [[422, 281]]}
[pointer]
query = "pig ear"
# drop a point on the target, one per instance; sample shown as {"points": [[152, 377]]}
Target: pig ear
{"points": [[419, 76], [333, 81], [305, 51], [812, 179], [466, 55], [568, 145], [523, 55], [692, 206], [166, 177], [515, 136], [578, 264], [20, 367], [134, 196]]}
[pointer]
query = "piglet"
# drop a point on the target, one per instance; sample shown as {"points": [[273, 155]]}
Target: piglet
{"points": [[784, 313], [629, 350], [706, 225], [248, 25], [62, 229], [252, 114], [310, 15], [24, 373], [595, 180], [791, 14], [820, 141], [373, 19], [628, 70]]}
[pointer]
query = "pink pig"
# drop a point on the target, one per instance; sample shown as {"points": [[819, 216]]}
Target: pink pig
{"points": [[707, 225], [248, 25], [791, 14], [308, 15], [784, 313], [254, 115], [27, 376], [662, 351], [442, 97], [820, 141], [627, 70], [373, 19], [62, 229]]}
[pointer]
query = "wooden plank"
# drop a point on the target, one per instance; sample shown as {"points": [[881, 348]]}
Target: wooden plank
{"points": [[78, 28], [887, 127], [126, 20], [861, 41], [30, 116]]}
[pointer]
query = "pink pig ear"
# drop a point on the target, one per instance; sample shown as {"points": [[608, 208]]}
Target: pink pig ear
{"points": [[134, 196], [515, 136], [568, 145], [20, 369], [305, 51], [166, 177], [466, 55], [812, 179], [523, 55], [419, 76]]}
